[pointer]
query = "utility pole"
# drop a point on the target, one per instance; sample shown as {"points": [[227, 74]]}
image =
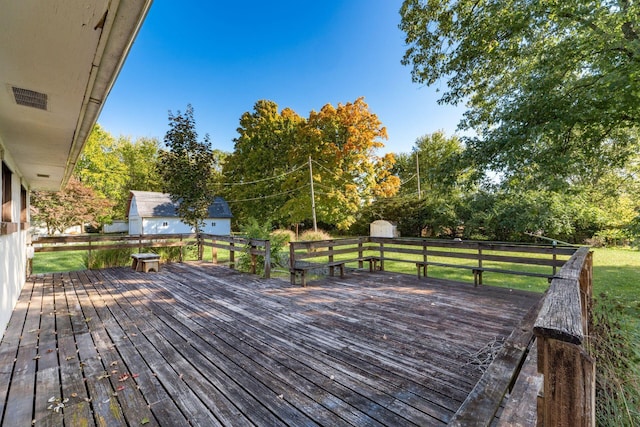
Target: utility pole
{"points": [[418, 173], [313, 198]]}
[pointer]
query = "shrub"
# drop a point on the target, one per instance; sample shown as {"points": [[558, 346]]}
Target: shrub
{"points": [[609, 238], [252, 229], [172, 253], [286, 235], [315, 235], [108, 258]]}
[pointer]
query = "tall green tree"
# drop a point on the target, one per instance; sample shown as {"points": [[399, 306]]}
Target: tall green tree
{"points": [[186, 168], [140, 158], [256, 170], [513, 214], [553, 88], [100, 167], [114, 166], [436, 162]]}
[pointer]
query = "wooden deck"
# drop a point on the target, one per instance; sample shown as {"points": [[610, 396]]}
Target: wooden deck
{"points": [[198, 344]]}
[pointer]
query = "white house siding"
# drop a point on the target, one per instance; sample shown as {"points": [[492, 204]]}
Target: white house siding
{"points": [[155, 213], [13, 255], [217, 226], [164, 226], [382, 228], [135, 222]]}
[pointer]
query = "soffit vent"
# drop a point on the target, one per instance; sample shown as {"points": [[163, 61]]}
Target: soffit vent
{"points": [[30, 98]]}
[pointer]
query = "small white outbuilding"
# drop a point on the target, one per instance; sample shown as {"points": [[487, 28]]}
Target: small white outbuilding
{"points": [[382, 228], [154, 213]]}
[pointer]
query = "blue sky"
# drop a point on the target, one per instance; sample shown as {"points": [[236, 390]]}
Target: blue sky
{"points": [[221, 57]]}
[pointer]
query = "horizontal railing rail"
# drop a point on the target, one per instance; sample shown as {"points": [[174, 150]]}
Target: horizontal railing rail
{"points": [[88, 242], [94, 242]]}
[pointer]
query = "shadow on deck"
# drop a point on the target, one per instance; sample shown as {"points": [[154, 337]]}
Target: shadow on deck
{"points": [[204, 345]]}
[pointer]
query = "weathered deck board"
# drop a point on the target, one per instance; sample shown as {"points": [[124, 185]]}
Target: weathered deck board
{"points": [[321, 365], [198, 344], [10, 342], [19, 403]]}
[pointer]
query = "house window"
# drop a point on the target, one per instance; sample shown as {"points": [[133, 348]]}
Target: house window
{"points": [[23, 208], [6, 194], [165, 223], [213, 224]]}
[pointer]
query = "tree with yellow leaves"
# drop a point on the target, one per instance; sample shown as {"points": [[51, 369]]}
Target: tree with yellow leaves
{"points": [[341, 142]]}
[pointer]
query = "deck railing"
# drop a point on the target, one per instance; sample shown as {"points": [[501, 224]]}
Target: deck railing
{"points": [[253, 247], [477, 257], [562, 391], [95, 242]]}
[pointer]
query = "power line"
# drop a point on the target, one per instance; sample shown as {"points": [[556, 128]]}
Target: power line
{"points": [[409, 179], [269, 196], [229, 184], [330, 171]]}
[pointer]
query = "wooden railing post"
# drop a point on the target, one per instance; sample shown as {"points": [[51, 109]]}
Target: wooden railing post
{"points": [[586, 293], [360, 254], [232, 255], [568, 394], [252, 252], [200, 246], [330, 245], [381, 256], [292, 262], [425, 259], [267, 259], [479, 273], [89, 256]]}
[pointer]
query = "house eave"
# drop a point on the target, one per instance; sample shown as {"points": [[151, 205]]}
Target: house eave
{"points": [[69, 53]]}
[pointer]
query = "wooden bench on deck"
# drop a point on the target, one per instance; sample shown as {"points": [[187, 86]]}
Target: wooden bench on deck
{"points": [[301, 270], [477, 271], [477, 274], [145, 262]]}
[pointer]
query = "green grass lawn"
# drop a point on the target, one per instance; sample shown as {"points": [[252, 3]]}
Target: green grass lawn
{"points": [[57, 262], [616, 273]]}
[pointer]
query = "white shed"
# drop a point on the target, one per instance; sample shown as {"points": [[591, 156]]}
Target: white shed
{"points": [[382, 228], [155, 213]]}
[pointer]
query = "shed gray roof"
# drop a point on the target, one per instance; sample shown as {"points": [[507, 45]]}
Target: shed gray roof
{"points": [[151, 204]]}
